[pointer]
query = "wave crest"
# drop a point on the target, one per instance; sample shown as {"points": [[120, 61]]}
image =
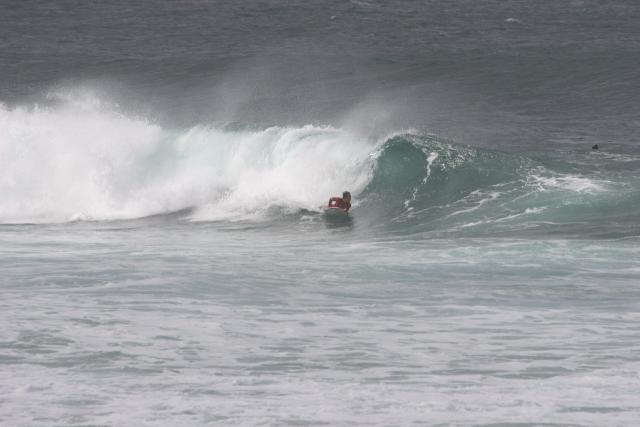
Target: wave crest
{"points": [[84, 161]]}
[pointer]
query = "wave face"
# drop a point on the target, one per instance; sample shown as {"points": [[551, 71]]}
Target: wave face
{"points": [[87, 162], [423, 184]]}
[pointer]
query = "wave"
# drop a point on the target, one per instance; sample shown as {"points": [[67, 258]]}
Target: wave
{"points": [[424, 184], [77, 161], [85, 162]]}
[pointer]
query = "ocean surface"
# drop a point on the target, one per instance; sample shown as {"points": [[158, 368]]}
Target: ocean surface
{"points": [[165, 261]]}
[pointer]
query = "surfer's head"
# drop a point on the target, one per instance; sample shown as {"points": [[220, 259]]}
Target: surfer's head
{"points": [[346, 195]]}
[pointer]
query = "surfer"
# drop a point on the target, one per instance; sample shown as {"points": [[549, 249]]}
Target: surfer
{"points": [[343, 202]]}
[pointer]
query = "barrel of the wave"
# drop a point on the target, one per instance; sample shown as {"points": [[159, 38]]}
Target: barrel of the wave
{"points": [[337, 210]]}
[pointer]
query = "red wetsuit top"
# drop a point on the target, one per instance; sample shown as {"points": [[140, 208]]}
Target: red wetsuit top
{"points": [[339, 202]]}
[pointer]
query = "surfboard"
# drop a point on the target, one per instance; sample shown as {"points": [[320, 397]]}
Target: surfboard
{"points": [[336, 213], [336, 217]]}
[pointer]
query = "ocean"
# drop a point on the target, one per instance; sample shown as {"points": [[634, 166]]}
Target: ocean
{"points": [[165, 260]]}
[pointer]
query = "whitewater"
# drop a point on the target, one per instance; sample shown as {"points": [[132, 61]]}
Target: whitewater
{"points": [[96, 164]]}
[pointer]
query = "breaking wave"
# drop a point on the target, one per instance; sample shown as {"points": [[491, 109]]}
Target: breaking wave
{"points": [[85, 162]]}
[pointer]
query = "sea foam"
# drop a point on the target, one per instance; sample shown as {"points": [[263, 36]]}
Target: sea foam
{"points": [[84, 161]]}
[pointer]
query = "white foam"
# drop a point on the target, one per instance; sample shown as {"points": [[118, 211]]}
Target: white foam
{"points": [[567, 182], [527, 211], [82, 161], [431, 157], [490, 196], [291, 168]]}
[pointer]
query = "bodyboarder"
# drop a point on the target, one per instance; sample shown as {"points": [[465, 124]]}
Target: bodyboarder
{"points": [[343, 202]]}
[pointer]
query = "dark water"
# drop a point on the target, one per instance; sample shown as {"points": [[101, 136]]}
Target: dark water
{"points": [[163, 254], [505, 73]]}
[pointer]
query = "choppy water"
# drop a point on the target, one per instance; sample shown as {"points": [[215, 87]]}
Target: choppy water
{"points": [[164, 259], [184, 324]]}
